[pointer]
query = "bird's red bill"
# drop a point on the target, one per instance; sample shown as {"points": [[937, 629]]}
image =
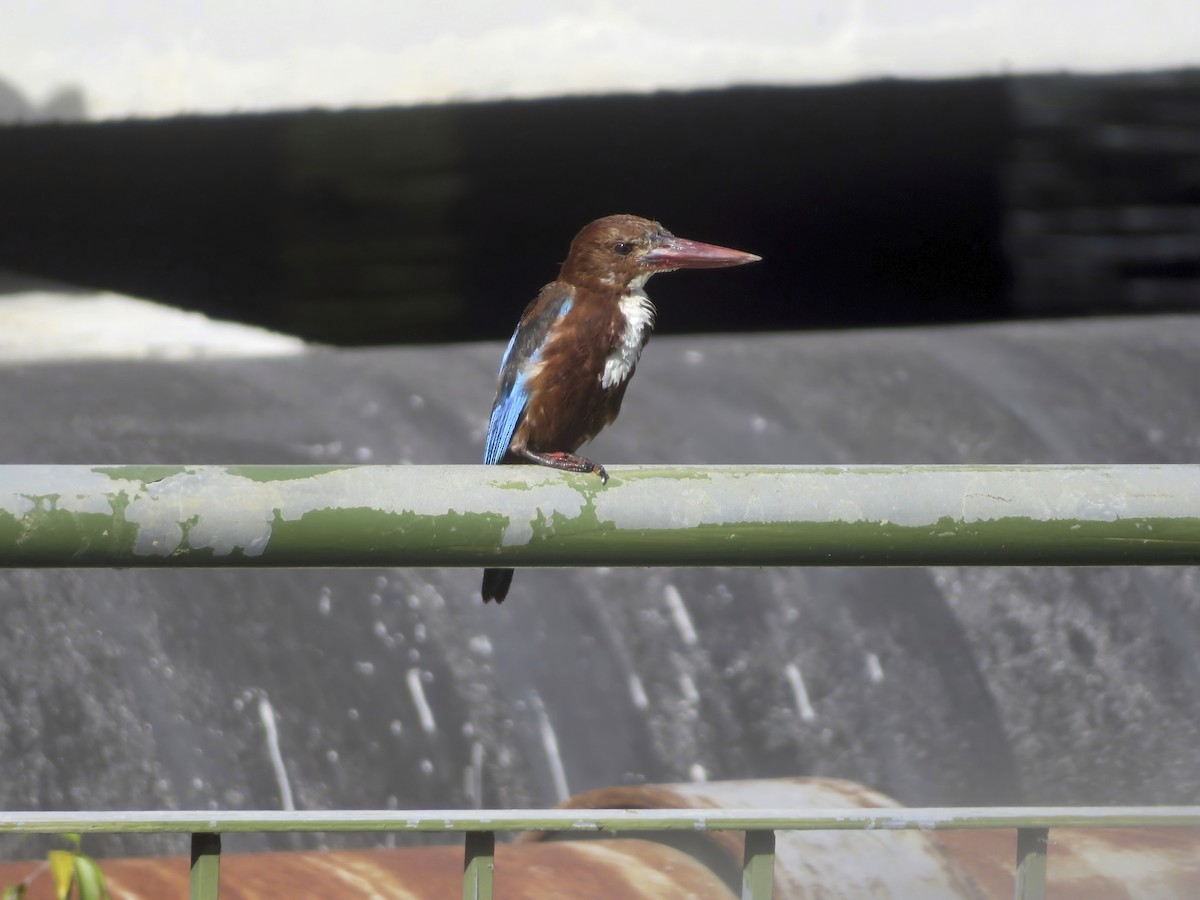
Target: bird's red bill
{"points": [[680, 253]]}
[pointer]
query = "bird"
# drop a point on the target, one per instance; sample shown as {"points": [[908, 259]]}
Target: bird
{"points": [[565, 370]]}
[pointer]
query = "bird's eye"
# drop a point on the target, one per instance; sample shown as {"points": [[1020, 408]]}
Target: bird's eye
{"points": [[623, 248]]}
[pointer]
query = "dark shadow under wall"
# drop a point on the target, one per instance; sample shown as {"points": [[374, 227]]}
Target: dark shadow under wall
{"points": [[887, 202], [872, 203]]}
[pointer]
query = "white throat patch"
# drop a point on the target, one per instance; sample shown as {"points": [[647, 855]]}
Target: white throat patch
{"points": [[638, 312]]}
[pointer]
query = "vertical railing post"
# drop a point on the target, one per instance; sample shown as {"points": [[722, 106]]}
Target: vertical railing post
{"points": [[758, 865], [206, 865], [479, 864], [1031, 863]]}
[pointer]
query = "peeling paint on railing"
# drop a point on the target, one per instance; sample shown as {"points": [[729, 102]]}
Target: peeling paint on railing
{"points": [[473, 515]]}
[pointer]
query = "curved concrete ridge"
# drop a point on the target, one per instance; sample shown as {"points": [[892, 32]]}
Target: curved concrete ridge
{"points": [[146, 688], [44, 326]]}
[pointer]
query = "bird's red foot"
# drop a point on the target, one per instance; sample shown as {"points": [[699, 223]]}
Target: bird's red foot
{"points": [[567, 462]]}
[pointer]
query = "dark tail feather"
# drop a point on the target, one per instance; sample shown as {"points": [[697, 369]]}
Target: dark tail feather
{"points": [[496, 583]]}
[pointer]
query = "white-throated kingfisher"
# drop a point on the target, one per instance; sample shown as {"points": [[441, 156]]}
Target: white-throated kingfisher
{"points": [[568, 363]]}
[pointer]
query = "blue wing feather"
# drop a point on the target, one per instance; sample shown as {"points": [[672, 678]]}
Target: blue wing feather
{"points": [[505, 416], [524, 349]]}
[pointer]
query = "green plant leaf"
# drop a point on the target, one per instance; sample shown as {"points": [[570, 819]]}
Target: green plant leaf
{"points": [[62, 868], [90, 879]]}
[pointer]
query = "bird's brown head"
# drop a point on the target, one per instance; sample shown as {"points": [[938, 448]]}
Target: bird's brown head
{"points": [[626, 249]]}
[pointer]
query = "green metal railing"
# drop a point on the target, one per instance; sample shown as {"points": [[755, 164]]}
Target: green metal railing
{"points": [[480, 827], [531, 516], [128, 516]]}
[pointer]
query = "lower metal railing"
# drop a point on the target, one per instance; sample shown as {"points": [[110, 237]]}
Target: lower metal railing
{"points": [[480, 827]]}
